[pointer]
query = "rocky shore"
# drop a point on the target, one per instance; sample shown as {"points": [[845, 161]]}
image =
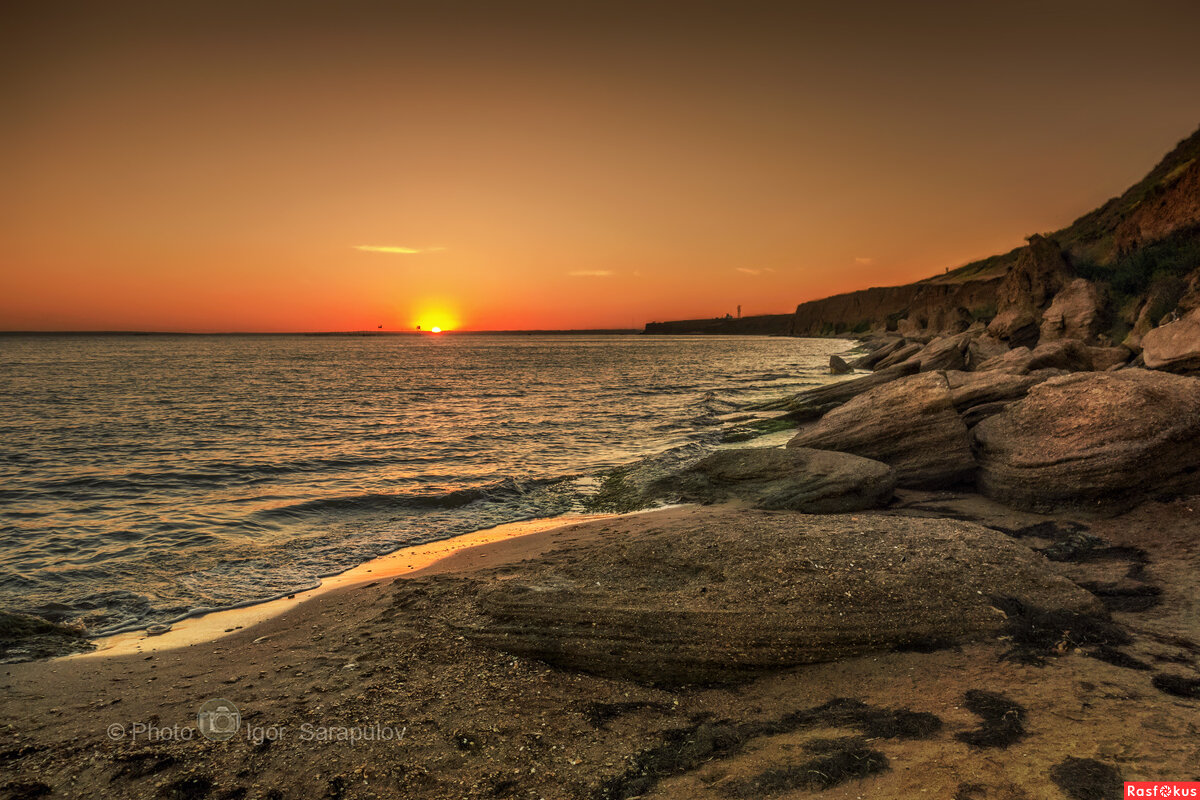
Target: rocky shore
{"points": [[972, 573], [946, 646]]}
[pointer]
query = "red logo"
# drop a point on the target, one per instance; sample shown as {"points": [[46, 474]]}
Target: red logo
{"points": [[1162, 789]]}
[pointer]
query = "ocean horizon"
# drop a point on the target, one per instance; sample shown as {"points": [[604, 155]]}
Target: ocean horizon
{"points": [[149, 478]]}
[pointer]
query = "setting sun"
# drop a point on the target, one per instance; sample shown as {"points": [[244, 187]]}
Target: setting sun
{"points": [[435, 316]]}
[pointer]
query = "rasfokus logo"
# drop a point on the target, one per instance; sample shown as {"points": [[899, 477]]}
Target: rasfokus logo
{"points": [[1159, 789]]}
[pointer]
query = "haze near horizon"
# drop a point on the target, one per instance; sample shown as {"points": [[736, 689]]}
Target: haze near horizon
{"points": [[309, 166]]}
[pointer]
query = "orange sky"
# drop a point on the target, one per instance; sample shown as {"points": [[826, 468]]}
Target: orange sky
{"points": [[215, 165]]}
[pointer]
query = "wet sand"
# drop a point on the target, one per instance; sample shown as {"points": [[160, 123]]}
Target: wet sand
{"points": [[469, 721], [407, 560]]}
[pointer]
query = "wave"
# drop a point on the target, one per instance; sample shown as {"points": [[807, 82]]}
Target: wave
{"points": [[503, 490]]}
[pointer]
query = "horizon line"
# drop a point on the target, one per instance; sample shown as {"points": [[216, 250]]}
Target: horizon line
{"points": [[357, 332]]}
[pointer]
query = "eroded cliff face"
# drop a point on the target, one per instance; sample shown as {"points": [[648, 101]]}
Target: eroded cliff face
{"points": [[926, 305], [1174, 206], [1109, 277]]}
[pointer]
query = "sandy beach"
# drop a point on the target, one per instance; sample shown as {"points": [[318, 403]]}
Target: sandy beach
{"points": [[599, 401], [438, 715]]}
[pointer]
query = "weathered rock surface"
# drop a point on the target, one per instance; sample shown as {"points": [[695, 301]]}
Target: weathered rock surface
{"points": [[1099, 441], [1018, 326], [908, 423], [982, 348], [917, 307], [1175, 346], [1105, 358], [715, 595], [815, 402], [877, 351], [1039, 273], [900, 355], [1015, 361], [795, 479], [1174, 205], [838, 366], [1066, 354], [1075, 313], [1069, 354], [944, 352], [970, 389]]}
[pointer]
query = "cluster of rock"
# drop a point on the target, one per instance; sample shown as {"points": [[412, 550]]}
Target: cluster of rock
{"points": [[1032, 407], [1061, 424], [1018, 376]]}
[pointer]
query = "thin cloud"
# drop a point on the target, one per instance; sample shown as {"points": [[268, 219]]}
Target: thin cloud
{"points": [[592, 273], [396, 250], [749, 271], [863, 260]]}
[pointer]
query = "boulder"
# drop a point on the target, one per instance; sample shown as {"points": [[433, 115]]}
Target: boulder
{"points": [[815, 402], [944, 352], [1106, 358], [984, 347], [978, 395], [977, 414], [1174, 347], [1102, 441], [970, 389], [1017, 326], [793, 479], [877, 351], [1038, 275], [909, 424], [1066, 354], [837, 366], [1015, 361], [900, 355], [715, 595], [1075, 313], [1069, 354]]}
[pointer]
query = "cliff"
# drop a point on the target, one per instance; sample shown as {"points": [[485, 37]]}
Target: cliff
{"points": [[929, 305], [1109, 277], [1138, 257]]}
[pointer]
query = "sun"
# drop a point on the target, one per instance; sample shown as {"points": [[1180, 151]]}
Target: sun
{"points": [[435, 318]]}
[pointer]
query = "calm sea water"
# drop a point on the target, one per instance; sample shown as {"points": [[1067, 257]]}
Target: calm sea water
{"points": [[146, 477]]}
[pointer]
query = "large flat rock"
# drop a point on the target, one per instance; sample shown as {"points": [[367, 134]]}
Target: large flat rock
{"points": [[1100, 441], [717, 594]]}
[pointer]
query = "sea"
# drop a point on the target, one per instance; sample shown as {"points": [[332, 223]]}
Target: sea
{"points": [[145, 478]]}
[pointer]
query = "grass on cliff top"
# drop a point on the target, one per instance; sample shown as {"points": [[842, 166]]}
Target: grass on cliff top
{"points": [[1131, 274]]}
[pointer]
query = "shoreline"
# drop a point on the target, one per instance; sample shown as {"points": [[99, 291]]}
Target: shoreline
{"points": [[395, 650], [211, 626]]}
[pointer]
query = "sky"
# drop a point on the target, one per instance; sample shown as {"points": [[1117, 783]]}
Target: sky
{"points": [[302, 166]]}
